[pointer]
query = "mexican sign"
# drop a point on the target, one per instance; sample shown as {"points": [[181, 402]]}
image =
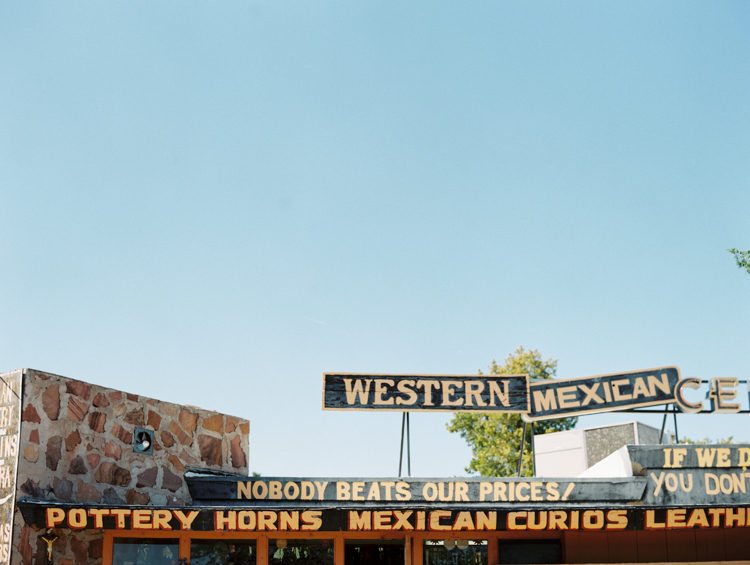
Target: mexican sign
{"points": [[454, 393], [603, 393], [10, 419]]}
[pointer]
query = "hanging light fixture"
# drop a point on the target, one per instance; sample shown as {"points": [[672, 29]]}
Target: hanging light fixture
{"points": [[449, 543], [462, 543], [281, 543]]}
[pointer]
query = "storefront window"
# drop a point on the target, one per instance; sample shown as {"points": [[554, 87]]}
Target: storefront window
{"points": [[222, 552], [374, 552], [455, 552], [300, 552], [145, 552], [530, 551]]}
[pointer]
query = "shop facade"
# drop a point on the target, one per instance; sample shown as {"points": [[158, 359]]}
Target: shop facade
{"points": [[85, 486]]}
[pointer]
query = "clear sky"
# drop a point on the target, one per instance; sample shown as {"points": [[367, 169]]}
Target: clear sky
{"points": [[213, 203]]}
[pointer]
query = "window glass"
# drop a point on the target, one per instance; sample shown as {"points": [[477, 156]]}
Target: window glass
{"points": [[222, 552], [374, 552], [300, 552], [145, 551], [455, 552], [530, 551]]}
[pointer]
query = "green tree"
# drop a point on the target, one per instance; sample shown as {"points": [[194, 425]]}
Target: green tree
{"points": [[495, 439], [742, 258]]}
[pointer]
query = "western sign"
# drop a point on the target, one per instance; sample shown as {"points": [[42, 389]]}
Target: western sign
{"points": [[454, 393], [540, 400]]}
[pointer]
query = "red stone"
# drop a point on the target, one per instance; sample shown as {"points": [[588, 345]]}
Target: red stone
{"points": [[137, 498], [154, 420], [63, 489], [210, 448], [170, 481], [24, 547], [214, 423], [115, 395], [111, 497], [133, 397], [77, 408], [147, 479], [80, 551], [113, 450], [32, 489], [30, 415], [51, 401], [96, 548], [182, 437], [87, 493], [239, 459], [231, 424], [100, 400], [167, 439], [245, 428], [72, 441], [122, 434], [93, 459], [97, 420], [54, 451], [79, 389], [77, 466], [134, 417], [112, 474], [176, 463], [187, 458], [188, 421], [34, 437]]}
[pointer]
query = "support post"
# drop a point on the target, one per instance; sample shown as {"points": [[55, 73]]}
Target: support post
{"points": [[664, 423], [523, 444], [401, 454]]}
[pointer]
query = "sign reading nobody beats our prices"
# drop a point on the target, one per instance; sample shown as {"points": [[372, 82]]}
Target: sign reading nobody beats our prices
{"points": [[539, 400]]}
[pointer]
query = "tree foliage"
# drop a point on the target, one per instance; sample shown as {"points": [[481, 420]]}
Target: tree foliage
{"points": [[742, 258], [495, 438]]}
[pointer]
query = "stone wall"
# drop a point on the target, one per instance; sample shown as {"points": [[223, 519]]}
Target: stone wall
{"points": [[77, 446]]}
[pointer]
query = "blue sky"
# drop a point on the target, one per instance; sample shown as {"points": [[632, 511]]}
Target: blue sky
{"points": [[214, 203]]}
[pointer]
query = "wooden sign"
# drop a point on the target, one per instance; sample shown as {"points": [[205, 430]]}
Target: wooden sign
{"points": [[408, 492], [273, 520], [453, 393], [10, 430], [603, 393]]}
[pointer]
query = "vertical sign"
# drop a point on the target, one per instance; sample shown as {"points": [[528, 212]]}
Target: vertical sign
{"points": [[10, 431]]}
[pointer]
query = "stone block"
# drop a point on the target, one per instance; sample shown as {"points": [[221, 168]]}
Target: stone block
{"points": [[63, 489], [54, 451], [154, 420], [232, 423], [77, 466], [210, 449], [34, 437], [96, 548], [239, 459], [133, 397], [167, 439], [77, 408], [112, 474], [176, 463], [78, 388], [181, 436], [137, 498], [147, 479], [87, 493], [135, 417], [245, 428], [97, 420], [31, 453], [112, 450], [188, 420], [187, 458], [111, 497], [32, 489], [93, 459], [115, 396], [80, 551], [72, 441], [170, 481], [168, 409], [214, 423], [101, 400], [51, 401], [122, 434], [30, 414]]}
